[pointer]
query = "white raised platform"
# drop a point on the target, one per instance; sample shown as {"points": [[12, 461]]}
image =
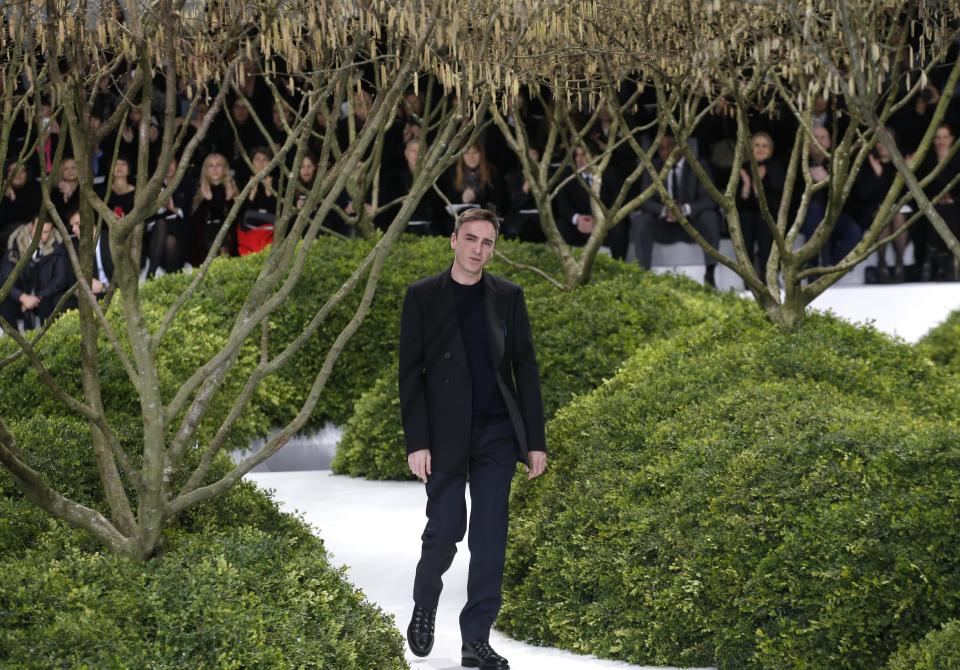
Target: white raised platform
{"points": [[686, 258]]}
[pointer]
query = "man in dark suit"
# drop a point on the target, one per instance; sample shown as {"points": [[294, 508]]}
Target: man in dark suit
{"points": [[102, 260], [573, 208], [655, 222], [471, 407]]}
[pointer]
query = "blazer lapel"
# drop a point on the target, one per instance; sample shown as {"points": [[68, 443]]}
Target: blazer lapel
{"points": [[496, 319]]}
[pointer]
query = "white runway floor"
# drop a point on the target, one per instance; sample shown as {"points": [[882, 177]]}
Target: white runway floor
{"points": [[374, 527]]}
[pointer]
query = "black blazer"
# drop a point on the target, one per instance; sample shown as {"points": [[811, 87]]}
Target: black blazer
{"points": [[574, 199], [435, 391], [690, 191]]}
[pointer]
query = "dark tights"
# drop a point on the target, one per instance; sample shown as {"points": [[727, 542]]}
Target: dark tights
{"points": [[163, 249]]}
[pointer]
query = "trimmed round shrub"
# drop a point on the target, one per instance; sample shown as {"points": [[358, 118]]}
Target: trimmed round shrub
{"points": [[942, 343], [939, 650], [240, 598], [581, 338], [746, 498]]}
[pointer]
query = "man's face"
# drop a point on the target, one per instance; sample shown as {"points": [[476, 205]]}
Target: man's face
{"points": [[473, 246], [580, 158], [74, 224], [822, 135], [667, 144]]}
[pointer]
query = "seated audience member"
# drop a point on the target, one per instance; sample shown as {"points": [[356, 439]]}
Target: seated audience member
{"points": [[166, 232], [912, 120], [98, 159], [429, 213], [522, 220], [66, 195], [405, 127], [41, 282], [573, 206], [846, 232], [233, 144], [936, 261], [656, 222], [870, 188], [211, 205], [130, 141], [361, 104], [474, 181], [255, 231], [306, 177], [122, 192], [756, 232], [20, 203], [102, 266]]}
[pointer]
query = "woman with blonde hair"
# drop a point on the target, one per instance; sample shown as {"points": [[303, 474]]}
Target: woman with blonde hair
{"points": [[211, 203]]}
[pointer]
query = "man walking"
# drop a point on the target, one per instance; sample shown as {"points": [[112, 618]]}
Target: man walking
{"points": [[471, 406]]}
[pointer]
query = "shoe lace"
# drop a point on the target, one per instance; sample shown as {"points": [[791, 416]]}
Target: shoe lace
{"points": [[423, 620], [484, 650]]}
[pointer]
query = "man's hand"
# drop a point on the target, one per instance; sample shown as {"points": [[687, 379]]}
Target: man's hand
{"points": [[419, 462], [538, 463], [585, 223]]}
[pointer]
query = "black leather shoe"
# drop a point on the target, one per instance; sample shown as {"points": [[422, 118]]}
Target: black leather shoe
{"points": [[420, 631], [479, 654], [709, 279]]}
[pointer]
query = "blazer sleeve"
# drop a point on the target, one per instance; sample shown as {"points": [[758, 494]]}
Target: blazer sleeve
{"points": [[527, 375], [413, 400]]}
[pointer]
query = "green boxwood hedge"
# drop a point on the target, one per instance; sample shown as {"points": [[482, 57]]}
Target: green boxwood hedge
{"points": [[939, 650], [942, 343], [239, 598], [581, 338], [748, 498], [239, 585]]}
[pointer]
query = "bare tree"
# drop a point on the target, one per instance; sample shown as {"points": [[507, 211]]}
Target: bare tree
{"points": [[743, 59], [198, 51]]}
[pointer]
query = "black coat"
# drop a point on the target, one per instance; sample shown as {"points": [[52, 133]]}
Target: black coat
{"points": [[574, 199], [44, 276], [435, 389]]}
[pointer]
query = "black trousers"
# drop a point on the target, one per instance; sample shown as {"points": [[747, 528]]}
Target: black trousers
{"points": [[493, 461], [647, 229]]}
